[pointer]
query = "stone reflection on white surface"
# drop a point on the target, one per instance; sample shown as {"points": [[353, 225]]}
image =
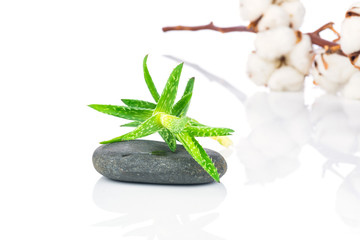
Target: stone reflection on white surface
{"points": [[160, 211], [280, 126]]}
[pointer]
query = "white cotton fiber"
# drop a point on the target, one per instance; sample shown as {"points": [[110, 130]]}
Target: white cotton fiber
{"points": [[286, 79], [296, 12], [301, 55], [352, 88], [334, 67], [275, 43], [328, 86], [260, 70], [350, 35], [251, 10], [274, 17]]}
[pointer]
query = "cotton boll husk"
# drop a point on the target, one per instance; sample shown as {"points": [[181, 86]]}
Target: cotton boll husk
{"points": [[301, 55], [352, 88], [354, 8], [260, 70], [286, 78], [339, 68], [274, 43], [251, 10], [355, 60], [350, 35], [296, 12], [274, 17]]}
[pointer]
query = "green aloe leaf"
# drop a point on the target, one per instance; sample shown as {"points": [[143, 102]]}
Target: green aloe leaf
{"points": [[172, 123], [123, 112], [195, 123], [181, 107], [199, 154], [169, 138], [208, 131], [131, 124], [189, 86], [149, 81], [139, 103], [166, 135], [150, 126], [168, 95], [188, 90]]}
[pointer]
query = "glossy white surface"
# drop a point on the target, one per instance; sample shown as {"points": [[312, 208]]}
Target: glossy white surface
{"points": [[293, 171]]}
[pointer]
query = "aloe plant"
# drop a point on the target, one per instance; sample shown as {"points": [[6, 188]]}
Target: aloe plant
{"points": [[167, 118]]}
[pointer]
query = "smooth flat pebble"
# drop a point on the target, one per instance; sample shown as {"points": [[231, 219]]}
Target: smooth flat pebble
{"points": [[147, 161]]}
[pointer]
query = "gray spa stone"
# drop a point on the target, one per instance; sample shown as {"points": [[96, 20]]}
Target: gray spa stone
{"points": [[152, 162]]}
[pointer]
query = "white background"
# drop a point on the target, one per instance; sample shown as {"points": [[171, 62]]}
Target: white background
{"points": [[293, 171]]}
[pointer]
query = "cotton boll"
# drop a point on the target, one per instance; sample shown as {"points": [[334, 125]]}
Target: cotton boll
{"points": [[301, 56], [251, 10], [260, 70], [320, 80], [352, 88], [274, 43], [334, 67], [274, 16], [350, 35], [296, 12], [286, 79], [328, 86]]}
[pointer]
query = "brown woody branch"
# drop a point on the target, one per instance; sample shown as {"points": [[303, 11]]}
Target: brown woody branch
{"points": [[315, 36], [210, 26]]}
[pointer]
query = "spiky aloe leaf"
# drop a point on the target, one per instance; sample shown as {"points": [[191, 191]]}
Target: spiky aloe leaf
{"points": [[169, 138], [168, 95], [149, 81], [181, 107], [139, 103], [193, 122], [207, 131], [129, 113], [150, 126], [189, 86], [131, 124], [188, 91], [199, 154], [165, 134], [172, 123]]}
